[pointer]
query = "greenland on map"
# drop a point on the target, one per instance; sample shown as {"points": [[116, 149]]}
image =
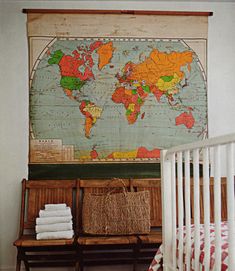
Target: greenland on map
{"points": [[115, 99]]}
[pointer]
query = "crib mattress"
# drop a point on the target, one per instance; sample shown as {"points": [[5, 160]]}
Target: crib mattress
{"points": [[156, 263]]}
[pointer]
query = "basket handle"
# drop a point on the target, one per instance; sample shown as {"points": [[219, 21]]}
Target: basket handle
{"points": [[124, 189]]}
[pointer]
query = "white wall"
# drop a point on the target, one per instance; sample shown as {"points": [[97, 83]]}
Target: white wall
{"points": [[14, 91]]}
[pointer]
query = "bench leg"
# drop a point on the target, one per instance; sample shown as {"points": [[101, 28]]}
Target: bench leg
{"points": [[19, 257], [24, 257], [81, 265], [77, 264], [26, 265], [135, 256], [18, 264]]}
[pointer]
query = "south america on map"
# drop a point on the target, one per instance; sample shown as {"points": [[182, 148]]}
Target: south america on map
{"points": [[115, 99]]}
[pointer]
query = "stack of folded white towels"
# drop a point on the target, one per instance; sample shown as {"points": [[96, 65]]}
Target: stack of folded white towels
{"points": [[55, 222]]}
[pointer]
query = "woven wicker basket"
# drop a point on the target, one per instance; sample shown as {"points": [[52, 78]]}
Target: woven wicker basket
{"points": [[116, 214]]}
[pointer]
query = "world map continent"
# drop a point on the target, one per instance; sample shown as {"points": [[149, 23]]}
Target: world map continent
{"points": [[76, 70]]}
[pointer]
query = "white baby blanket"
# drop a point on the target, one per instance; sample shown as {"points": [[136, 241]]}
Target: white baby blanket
{"points": [[55, 235], [54, 227], [65, 212], [53, 220], [55, 207]]}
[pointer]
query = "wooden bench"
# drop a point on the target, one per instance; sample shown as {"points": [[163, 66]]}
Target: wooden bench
{"points": [[44, 253], [94, 250], [99, 250], [83, 249]]}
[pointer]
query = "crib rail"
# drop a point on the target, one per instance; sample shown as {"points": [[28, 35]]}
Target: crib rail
{"points": [[187, 199]]}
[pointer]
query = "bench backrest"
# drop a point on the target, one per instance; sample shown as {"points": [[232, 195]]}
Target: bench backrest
{"points": [[223, 200], [98, 186], [37, 193], [153, 185]]}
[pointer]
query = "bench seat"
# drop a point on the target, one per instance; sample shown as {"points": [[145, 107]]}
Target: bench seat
{"points": [[30, 241], [106, 240], [154, 237]]}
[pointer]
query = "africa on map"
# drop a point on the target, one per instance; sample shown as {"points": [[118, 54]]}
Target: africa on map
{"points": [[115, 99]]}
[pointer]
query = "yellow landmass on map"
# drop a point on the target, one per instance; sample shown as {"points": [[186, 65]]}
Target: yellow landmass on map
{"points": [[165, 86], [125, 155], [95, 113], [160, 64], [94, 110], [105, 53]]}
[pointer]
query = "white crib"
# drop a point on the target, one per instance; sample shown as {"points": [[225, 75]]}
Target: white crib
{"points": [[210, 157]]}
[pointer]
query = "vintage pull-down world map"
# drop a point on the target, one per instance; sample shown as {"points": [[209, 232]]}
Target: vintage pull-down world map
{"points": [[115, 99]]}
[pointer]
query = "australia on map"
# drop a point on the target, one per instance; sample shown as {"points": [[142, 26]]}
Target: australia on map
{"points": [[115, 99]]}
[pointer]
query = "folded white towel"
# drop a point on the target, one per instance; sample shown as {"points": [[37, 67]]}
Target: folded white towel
{"points": [[66, 212], [54, 227], [55, 207], [55, 235], [53, 220]]}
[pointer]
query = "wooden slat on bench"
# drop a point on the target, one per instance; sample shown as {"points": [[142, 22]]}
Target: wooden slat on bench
{"points": [[155, 237], [223, 200], [154, 187], [106, 240], [30, 241], [104, 183], [46, 192]]}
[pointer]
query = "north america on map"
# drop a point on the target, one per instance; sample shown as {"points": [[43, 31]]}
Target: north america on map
{"points": [[113, 99]]}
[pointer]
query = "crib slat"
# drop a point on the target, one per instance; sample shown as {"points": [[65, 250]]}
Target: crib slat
{"points": [[180, 208], [217, 207], [230, 206], [206, 201], [173, 202], [196, 208], [167, 211], [187, 209]]}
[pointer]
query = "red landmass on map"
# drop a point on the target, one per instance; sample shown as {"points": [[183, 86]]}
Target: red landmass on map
{"points": [[127, 98], [144, 153], [94, 154], [69, 66], [186, 119], [156, 92], [81, 58]]}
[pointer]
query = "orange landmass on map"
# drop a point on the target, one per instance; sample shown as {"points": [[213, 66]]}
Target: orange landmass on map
{"points": [[88, 125], [186, 119], [105, 52], [160, 64]]}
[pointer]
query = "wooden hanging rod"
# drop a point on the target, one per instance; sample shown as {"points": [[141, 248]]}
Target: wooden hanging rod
{"points": [[132, 12]]}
